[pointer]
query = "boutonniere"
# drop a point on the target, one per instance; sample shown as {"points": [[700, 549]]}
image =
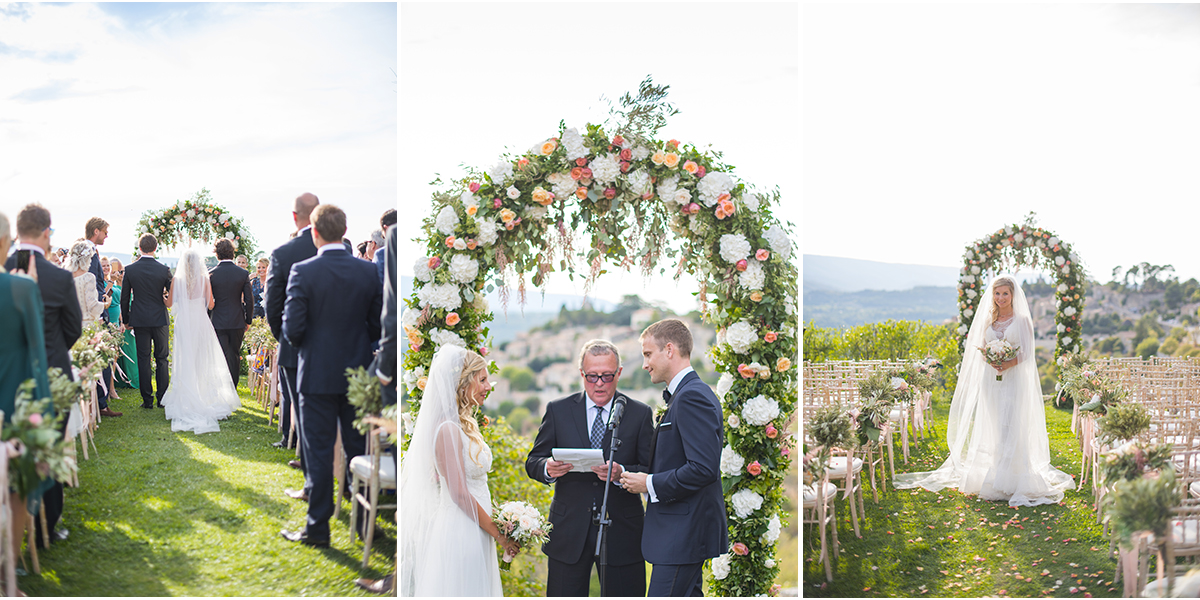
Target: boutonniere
{"points": [[659, 413]]}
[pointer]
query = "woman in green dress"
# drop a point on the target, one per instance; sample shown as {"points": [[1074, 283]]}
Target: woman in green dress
{"points": [[128, 361]]}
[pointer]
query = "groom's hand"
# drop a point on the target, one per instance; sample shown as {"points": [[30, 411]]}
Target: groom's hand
{"points": [[557, 468], [601, 471], [634, 483]]}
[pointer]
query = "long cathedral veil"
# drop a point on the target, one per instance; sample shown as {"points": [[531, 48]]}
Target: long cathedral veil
{"points": [[1002, 441]]}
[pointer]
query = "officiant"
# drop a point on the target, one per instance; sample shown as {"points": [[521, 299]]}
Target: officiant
{"points": [[581, 420]]}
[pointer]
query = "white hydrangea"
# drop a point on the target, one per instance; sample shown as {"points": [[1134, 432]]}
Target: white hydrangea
{"points": [[779, 241], [792, 306], [441, 338], [536, 212], [641, 153], [463, 268], [1066, 340], [447, 220], [480, 303], [1069, 311], [720, 567], [724, 384], [1053, 241], [753, 277], [773, 527], [443, 295], [760, 410], [667, 187], [975, 270], [697, 225], [745, 502], [411, 377], [573, 144], [962, 330], [409, 318], [487, 232], [751, 201], [1058, 260], [1062, 287], [731, 462], [713, 185], [968, 312], [639, 182], [605, 168], [421, 269], [502, 172], [740, 336], [734, 247], [561, 185]]}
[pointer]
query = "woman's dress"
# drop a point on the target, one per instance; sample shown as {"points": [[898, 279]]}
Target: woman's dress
{"points": [[128, 375], [89, 301], [256, 287], [201, 391]]}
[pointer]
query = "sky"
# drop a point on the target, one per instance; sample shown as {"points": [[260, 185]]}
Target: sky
{"points": [[110, 110], [479, 80], [926, 127]]}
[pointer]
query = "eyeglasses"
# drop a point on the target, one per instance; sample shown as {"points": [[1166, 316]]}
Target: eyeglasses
{"points": [[605, 377]]}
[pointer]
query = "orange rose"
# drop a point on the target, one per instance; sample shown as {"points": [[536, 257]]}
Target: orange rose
{"points": [[671, 160], [746, 371], [471, 210], [659, 157], [691, 167], [471, 244], [452, 319], [543, 197], [784, 363], [507, 215], [549, 146], [581, 193], [756, 296], [450, 242], [422, 382]]}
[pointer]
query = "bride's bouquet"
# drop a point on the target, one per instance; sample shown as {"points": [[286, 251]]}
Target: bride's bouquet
{"points": [[522, 523], [999, 351]]}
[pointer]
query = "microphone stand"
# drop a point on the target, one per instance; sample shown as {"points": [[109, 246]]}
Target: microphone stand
{"points": [[602, 517]]}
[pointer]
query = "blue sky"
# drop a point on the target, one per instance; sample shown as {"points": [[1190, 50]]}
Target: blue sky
{"points": [[112, 109]]}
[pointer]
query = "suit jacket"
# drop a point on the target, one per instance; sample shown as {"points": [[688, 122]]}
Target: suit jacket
{"points": [[98, 271], [63, 318], [687, 524], [385, 359], [233, 299], [295, 250], [142, 301], [331, 317], [566, 425]]}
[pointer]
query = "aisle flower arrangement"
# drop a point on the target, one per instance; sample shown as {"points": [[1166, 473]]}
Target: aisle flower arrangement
{"points": [[97, 347], [41, 449], [644, 203]]}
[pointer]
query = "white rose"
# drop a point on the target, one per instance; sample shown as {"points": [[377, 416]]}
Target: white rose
{"points": [[573, 144], [667, 188], [446, 220], [512, 192], [752, 201], [1066, 340], [720, 567], [1053, 241], [724, 384], [1058, 260], [734, 421], [682, 197], [1066, 270], [1019, 237], [962, 330], [734, 247], [971, 293], [641, 153], [1062, 287], [731, 462], [460, 244], [1069, 311], [409, 318], [463, 268], [740, 336], [229, 235], [468, 200], [745, 502], [1061, 328], [769, 563], [760, 410], [753, 278], [968, 312], [975, 270], [421, 269]]}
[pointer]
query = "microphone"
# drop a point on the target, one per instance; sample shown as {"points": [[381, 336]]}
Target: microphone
{"points": [[618, 410]]}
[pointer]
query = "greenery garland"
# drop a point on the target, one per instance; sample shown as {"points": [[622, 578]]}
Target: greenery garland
{"points": [[1025, 245], [197, 218], [641, 200]]}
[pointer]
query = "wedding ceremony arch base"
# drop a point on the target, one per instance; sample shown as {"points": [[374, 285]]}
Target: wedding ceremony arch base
{"points": [[644, 203]]}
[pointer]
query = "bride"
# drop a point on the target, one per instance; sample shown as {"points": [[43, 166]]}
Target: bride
{"points": [[201, 392], [449, 542], [997, 430]]}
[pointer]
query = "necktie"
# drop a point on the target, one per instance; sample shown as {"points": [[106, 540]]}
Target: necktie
{"points": [[667, 396], [598, 428]]}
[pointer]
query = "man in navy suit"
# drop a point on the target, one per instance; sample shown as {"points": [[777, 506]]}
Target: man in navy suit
{"points": [[297, 249], [144, 308], [685, 518], [331, 317], [385, 358], [580, 421], [233, 306], [96, 231], [385, 223]]}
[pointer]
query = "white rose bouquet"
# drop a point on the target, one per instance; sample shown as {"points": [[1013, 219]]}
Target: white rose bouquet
{"points": [[521, 523], [997, 352]]}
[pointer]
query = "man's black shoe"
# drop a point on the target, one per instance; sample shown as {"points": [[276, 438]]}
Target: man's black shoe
{"points": [[144, 405], [302, 537], [279, 444]]}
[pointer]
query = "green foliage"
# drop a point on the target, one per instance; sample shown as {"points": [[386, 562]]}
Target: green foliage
{"points": [[538, 364], [889, 340], [1124, 422], [831, 428], [365, 394], [1142, 504], [1147, 348], [508, 482], [1102, 324], [643, 115], [1147, 326], [33, 427], [174, 225], [64, 392], [1130, 461], [877, 397], [521, 378], [1111, 345], [1169, 347]]}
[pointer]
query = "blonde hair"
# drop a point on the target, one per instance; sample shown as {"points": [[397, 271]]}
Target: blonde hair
{"points": [[473, 363], [671, 331], [1001, 282]]}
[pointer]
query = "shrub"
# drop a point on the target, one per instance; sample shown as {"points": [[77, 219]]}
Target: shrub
{"points": [[1148, 348]]}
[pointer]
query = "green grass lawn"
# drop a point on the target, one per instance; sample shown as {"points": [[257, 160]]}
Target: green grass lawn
{"points": [[159, 513], [919, 543]]}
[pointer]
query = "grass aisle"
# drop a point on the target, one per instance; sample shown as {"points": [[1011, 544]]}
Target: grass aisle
{"points": [[159, 513], [919, 543]]}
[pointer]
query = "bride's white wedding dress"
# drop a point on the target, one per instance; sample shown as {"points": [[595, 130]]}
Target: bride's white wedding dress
{"points": [[443, 475], [201, 392], [999, 448]]}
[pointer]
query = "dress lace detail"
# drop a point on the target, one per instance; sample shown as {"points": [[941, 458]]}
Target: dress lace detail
{"points": [[477, 480], [999, 327]]}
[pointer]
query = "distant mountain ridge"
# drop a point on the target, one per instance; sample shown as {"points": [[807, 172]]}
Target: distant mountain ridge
{"points": [[837, 274]]}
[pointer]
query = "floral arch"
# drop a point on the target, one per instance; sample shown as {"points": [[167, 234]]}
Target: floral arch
{"points": [[1025, 245], [641, 201], [197, 218]]}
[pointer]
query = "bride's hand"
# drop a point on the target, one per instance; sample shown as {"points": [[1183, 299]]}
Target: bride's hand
{"points": [[511, 547]]}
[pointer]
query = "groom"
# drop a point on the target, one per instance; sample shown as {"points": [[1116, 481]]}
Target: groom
{"points": [[144, 309], [233, 306], [685, 518]]}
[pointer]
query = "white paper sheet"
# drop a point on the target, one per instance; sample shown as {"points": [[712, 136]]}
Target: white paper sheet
{"points": [[582, 459]]}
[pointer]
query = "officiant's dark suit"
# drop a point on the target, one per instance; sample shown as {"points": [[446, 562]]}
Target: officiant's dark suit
{"points": [[577, 496], [143, 309], [233, 307], [331, 317]]}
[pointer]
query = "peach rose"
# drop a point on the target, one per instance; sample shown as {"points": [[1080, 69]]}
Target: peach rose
{"points": [[754, 468], [422, 382], [472, 209], [625, 167], [756, 296], [659, 157], [762, 254], [693, 209], [771, 431], [507, 215], [764, 374], [691, 167], [414, 347], [770, 336], [742, 265], [549, 146], [724, 197], [784, 363], [524, 162], [581, 193], [471, 244], [509, 225], [450, 242], [581, 162], [618, 140], [610, 193], [452, 319], [543, 197], [587, 173], [672, 144], [627, 154], [724, 209], [671, 160], [746, 371], [577, 173]]}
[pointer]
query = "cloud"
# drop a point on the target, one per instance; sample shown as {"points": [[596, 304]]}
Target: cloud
{"points": [[44, 56], [55, 90]]}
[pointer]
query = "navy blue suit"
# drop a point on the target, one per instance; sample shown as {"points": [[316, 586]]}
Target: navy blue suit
{"points": [[143, 309], [331, 317], [385, 359], [687, 524], [295, 250]]}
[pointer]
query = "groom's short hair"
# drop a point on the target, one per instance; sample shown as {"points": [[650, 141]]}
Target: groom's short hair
{"points": [[330, 222], [147, 243], [671, 331], [223, 249]]}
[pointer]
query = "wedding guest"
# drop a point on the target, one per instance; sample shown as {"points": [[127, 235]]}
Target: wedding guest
{"points": [[331, 316], [578, 496], [90, 306], [22, 356], [113, 315], [144, 309], [96, 232], [297, 249], [385, 222], [243, 262], [127, 362], [233, 307], [362, 250], [258, 284], [385, 358]]}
